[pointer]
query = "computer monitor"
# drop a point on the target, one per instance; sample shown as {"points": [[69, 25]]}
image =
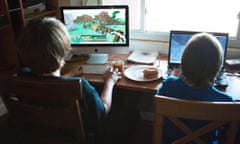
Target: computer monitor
{"points": [[97, 30]]}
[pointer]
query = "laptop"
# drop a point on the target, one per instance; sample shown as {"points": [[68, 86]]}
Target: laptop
{"points": [[177, 43]]}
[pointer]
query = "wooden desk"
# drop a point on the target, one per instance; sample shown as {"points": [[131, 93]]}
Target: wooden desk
{"points": [[72, 69]]}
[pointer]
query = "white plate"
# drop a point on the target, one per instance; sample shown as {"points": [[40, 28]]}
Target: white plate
{"points": [[136, 73]]}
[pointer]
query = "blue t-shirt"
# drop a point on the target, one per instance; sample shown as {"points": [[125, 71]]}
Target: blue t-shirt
{"points": [[177, 88], [92, 108]]}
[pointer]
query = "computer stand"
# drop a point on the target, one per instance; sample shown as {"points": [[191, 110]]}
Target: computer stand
{"points": [[97, 58]]}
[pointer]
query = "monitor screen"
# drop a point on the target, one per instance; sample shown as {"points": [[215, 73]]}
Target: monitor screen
{"points": [[97, 29], [179, 39]]}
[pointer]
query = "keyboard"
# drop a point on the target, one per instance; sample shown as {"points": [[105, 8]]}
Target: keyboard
{"points": [[94, 69]]}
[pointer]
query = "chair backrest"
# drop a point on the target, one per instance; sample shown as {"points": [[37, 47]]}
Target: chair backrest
{"points": [[45, 110], [218, 113]]}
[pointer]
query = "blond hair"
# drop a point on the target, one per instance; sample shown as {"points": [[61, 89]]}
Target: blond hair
{"points": [[43, 44], [201, 59]]}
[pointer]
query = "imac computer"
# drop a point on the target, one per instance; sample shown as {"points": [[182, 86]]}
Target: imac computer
{"points": [[97, 30]]}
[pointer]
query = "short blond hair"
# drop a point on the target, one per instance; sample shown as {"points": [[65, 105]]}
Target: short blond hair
{"points": [[201, 59], [43, 44]]}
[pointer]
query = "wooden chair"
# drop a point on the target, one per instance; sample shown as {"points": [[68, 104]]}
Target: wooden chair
{"points": [[219, 113], [45, 110]]}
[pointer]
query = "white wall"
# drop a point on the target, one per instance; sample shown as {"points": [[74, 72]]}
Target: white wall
{"points": [[148, 46], [163, 47]]}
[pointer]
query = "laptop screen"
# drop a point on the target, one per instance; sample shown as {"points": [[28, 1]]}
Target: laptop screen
{"points": [[178, 41]]}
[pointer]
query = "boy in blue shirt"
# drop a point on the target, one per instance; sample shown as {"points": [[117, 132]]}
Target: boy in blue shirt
{"points": [[201, 61], [41, 49]]}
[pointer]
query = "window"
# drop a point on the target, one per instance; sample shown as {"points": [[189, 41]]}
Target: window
{"points": [[152, 20]]}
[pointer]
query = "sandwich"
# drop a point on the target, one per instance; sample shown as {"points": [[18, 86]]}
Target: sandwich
{"points": [[150, 73]]}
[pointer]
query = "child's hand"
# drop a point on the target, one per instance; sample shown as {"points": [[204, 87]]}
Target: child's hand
{"points": [[112, 76]]}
